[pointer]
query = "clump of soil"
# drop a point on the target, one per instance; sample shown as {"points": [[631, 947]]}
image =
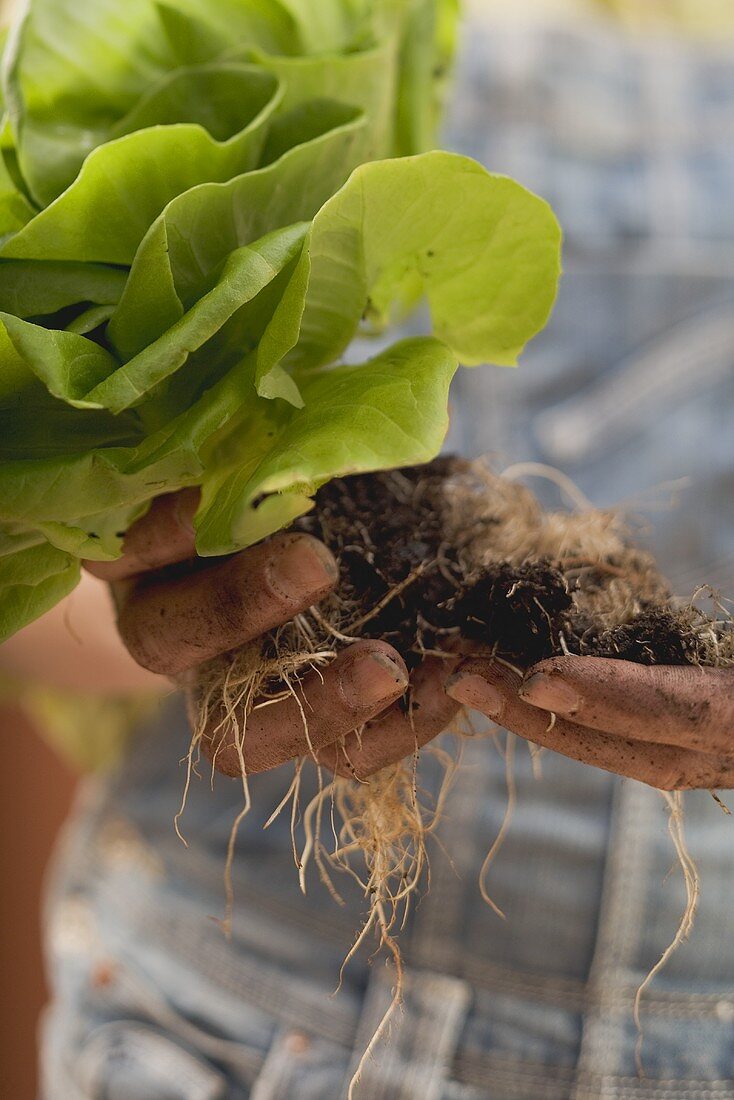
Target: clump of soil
{"points": [[521, 611], [655, 636], [446, 552]]}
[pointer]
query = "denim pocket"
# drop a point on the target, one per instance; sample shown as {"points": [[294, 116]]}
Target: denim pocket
{"points": [[124, 1060], [302, 1066]]}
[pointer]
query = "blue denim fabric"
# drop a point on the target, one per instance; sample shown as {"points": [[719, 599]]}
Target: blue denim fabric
{"points": [[630, 389]]}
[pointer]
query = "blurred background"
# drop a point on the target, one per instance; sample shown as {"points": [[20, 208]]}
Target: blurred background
{"points": [[36, 789], [36, 783]]}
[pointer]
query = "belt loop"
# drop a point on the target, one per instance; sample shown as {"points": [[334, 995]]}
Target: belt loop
{"points": [[301, 1066], [621, 925], [415, 1058]]}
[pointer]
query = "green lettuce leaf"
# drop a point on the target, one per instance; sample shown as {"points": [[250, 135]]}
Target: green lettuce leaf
{"points": [[15, 210], [489, 269], [428, 46], [32, 581], [69, 365], [330, 26], [365, 79], [37, 289], [196, 219], [483, 250], [187, 245], [124, 184], [246, 272], [264, 24], [371, 241], [71, 72], [34, 425], [391, 411]]}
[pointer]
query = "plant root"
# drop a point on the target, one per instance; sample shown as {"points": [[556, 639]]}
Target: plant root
{"points": [[446, 556], [674, 801], [228, 690], [499, 840], [380, 841]]}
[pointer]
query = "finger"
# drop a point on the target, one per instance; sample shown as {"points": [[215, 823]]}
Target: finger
{"points": [[163, 536], [492, 688], [399, 731], [362, 681], [690, 707], [170, 625]]}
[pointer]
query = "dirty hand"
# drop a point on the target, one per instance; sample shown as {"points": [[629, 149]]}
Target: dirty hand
{"points": [[175, 612], [670, 727]]}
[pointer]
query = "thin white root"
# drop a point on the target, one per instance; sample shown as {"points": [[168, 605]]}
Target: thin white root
{"points": [[504, 827], [549, 473], [383, 1027], [228, 690], [536, 759], [381, 843], [674, 801]]}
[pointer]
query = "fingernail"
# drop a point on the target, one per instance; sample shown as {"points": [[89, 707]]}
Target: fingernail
{"points": [[302, 566], [473, 691], [550, 693], [372, 678]]}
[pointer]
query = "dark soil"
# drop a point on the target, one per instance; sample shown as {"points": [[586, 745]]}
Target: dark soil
{"points": [[655, 636], [389, 529], [383, 528], [521, 610]]}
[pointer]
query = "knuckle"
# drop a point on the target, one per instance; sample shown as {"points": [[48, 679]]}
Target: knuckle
{"points": [[148, 638], [137, 642], [672, 778]]}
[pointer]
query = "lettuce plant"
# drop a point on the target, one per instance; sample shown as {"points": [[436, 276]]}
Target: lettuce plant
{"points": [[201, 205]]}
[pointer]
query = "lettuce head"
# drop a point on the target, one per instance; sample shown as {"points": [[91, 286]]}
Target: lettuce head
{"points": [[202, 204]]}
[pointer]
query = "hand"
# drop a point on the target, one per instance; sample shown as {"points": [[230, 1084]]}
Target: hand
{"points": [[670, 727], [176, 612]]}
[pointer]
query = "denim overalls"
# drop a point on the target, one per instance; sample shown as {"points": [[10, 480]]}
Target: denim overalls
{"points": [[629, 391]]}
